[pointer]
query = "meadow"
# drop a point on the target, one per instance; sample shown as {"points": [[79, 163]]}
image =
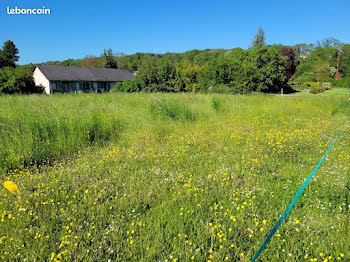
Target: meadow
{"points": [[173, 177]]}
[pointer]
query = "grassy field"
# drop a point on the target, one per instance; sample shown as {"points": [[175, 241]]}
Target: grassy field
{"points": [[173, 177]]}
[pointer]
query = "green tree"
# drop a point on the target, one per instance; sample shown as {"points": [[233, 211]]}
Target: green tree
{"points": [[264, 69], [320, 60], [186, 76], [91, 61], [259, 38], [218, 72], [109, 60], [18, 80], [8, 55], [329, 42], [321, 70], [328, 54], [166, 75], [70, 62], [258, 69], [148, 73], [344, 63], [130, 62]]}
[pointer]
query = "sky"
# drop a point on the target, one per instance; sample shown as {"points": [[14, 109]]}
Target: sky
{"points": [[77, 28]]}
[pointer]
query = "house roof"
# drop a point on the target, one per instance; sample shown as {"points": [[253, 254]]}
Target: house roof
{"points": [[91, 74]]}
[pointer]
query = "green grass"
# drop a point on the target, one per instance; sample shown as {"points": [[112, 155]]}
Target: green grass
{"points": [[173, 177]]}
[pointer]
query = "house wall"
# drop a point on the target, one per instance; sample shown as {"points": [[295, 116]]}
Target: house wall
{"points": [[41, 80]]}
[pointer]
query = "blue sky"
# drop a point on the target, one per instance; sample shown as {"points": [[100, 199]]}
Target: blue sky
{"points": [[77, 28]]}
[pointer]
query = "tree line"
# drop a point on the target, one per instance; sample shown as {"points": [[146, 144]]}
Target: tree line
{"points": [[318, 62], [264, 68]]}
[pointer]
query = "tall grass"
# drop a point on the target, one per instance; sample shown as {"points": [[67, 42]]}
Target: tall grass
{"points": [[34, 129], [174, 177], [38, 128]]}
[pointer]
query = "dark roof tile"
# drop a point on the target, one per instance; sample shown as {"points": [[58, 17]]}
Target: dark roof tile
{"points": [[90, 74]]}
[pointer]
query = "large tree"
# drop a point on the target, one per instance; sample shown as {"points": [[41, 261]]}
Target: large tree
{"points": [[8, 55], [264, 69], [259, 38], [91, 61], [321, 70], [290, 64], [166, 75], [148, 72], [329, 42], [109, 60]]}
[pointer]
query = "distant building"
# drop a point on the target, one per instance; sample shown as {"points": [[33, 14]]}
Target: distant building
{"points": [[64, 79]]}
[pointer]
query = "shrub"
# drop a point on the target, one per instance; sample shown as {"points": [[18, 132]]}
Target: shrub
{"points": [[317, 89], [321, 70], [220, 89], [327, 85], [130, 85], [342, 82], [306, 77], [117, 87], [312, 84], [18, 80]]}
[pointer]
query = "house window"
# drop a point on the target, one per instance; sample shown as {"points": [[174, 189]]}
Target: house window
{"points": [[53, 87], [80, 86], [72, 86], [56, 87], [87, 87], [98, 87], [103, 86]]}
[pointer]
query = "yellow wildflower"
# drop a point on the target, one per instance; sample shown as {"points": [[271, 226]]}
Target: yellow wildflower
{"points": [[12, 187]]}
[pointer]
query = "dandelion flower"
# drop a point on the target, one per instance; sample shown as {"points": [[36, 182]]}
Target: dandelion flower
{"points": [[12, 187]]}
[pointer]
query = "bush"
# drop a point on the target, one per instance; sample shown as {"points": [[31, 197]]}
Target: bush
{"points": [[327, 85], [117, 87], [130, 85], [220, 89], [306, 77], [312, 84], [342, 82], [18, 80], [317, 89]]}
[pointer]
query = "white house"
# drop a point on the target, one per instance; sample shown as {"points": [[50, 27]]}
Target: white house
{"points": [[61, 79]]}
